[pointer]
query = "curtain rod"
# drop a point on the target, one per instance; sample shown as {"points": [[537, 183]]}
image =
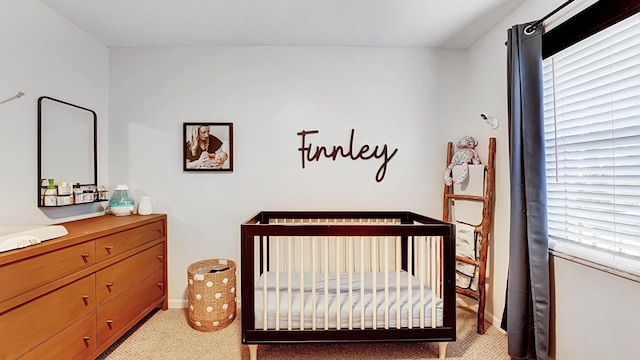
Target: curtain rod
{"points": [[535, 25]]}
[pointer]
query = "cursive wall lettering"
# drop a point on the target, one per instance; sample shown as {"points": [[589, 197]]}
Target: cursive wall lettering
{"points": [[365, 152]]}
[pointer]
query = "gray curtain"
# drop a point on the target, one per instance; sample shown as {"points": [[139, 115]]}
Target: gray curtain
{"points": [[526, 314]]}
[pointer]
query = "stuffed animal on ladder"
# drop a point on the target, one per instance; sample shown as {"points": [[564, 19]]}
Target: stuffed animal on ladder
{"points": [[465, 155]]}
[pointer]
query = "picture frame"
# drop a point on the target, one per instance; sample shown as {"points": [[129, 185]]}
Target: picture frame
{"points": [[214, 148]]}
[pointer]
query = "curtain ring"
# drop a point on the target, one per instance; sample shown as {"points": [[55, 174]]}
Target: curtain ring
{"points": [[529, 30]]}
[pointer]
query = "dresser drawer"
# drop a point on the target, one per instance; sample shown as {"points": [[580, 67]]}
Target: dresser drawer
{"points": [[121, 310], [26, 326], [112, 245], [21, 276], [75, 342], [120, 276]]}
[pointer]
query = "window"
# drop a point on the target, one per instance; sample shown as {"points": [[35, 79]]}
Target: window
{"points": [[592, 142]]}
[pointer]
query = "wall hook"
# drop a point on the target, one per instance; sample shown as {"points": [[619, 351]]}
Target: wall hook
{"points": [[17, 96]]}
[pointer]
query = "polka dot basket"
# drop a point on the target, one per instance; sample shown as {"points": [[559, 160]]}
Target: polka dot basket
{"points": [[212, 294]]}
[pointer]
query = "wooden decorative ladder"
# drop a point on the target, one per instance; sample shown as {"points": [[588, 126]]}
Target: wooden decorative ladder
{"points": [[482, 231]]}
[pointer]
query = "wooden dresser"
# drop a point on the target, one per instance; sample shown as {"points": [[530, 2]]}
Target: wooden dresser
{"points": [[74, 296]]}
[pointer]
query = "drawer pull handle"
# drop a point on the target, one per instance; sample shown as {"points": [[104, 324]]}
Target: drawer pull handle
{"points": [[85, 298], [159, 230], [160, 285], [160, 257], [109, 248], [110, 323], [86, 340], [109, 285]]}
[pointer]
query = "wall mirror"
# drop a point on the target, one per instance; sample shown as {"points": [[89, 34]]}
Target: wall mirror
{"points": [[66, 143]]}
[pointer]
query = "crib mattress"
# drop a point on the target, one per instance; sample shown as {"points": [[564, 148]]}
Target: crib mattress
{"points": [[386, 311]]}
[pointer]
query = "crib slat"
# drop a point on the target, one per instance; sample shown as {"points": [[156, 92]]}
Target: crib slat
{"points": [[421, 259], [386, 283], [325, 269], [313, 284], [289, 290], [429, 265], [350, 272], [264, 282], [409, 285], [361, 283], [434, 281], [338, 302], [398, 267], [374, 248], [277, 274], [301, 270]]}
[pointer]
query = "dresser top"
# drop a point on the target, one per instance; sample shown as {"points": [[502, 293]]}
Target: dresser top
{"points": [[81, 231]]}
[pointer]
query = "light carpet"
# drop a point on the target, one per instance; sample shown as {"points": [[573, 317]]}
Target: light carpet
{"points": [[166, 335]]}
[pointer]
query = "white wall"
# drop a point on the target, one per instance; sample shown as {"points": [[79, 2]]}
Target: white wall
{"points": [[43, 55], [594, 314], [404, 98], [580, 292]]}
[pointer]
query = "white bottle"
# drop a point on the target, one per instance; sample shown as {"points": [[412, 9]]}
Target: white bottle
{"points": [[144, 206], [50, 194]]}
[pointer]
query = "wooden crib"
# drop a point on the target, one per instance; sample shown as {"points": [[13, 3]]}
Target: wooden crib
{"points": [[347, 277]]}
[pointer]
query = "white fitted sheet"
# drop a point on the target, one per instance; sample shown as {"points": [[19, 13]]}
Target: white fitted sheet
{"points": [[332, 301]]}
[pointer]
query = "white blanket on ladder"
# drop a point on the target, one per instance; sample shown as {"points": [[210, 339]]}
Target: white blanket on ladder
{"points": [[466, 274], [469, 211]]}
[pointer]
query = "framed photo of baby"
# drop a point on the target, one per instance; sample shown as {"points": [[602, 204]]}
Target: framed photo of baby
{"points": [[208, 147]]}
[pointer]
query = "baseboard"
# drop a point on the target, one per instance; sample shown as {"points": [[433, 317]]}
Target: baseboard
{"points": [[489, 317], [182, 304], [495, 321], [177, 303]]}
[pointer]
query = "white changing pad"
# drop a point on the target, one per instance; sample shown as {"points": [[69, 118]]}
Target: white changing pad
{"points": [[332, 300], [15, 237]]}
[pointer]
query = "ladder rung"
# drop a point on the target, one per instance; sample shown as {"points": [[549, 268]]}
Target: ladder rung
{"points": [[470, 293], [464, 197], [467, 260]]}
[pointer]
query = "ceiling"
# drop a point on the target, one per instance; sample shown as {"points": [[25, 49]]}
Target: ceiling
{"points": [[393, 23]]}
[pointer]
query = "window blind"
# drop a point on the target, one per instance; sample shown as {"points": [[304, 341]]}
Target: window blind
{"points": [[592, 143]]}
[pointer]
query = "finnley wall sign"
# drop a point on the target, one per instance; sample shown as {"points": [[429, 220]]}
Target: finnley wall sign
{"points": [[310, 152]]}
